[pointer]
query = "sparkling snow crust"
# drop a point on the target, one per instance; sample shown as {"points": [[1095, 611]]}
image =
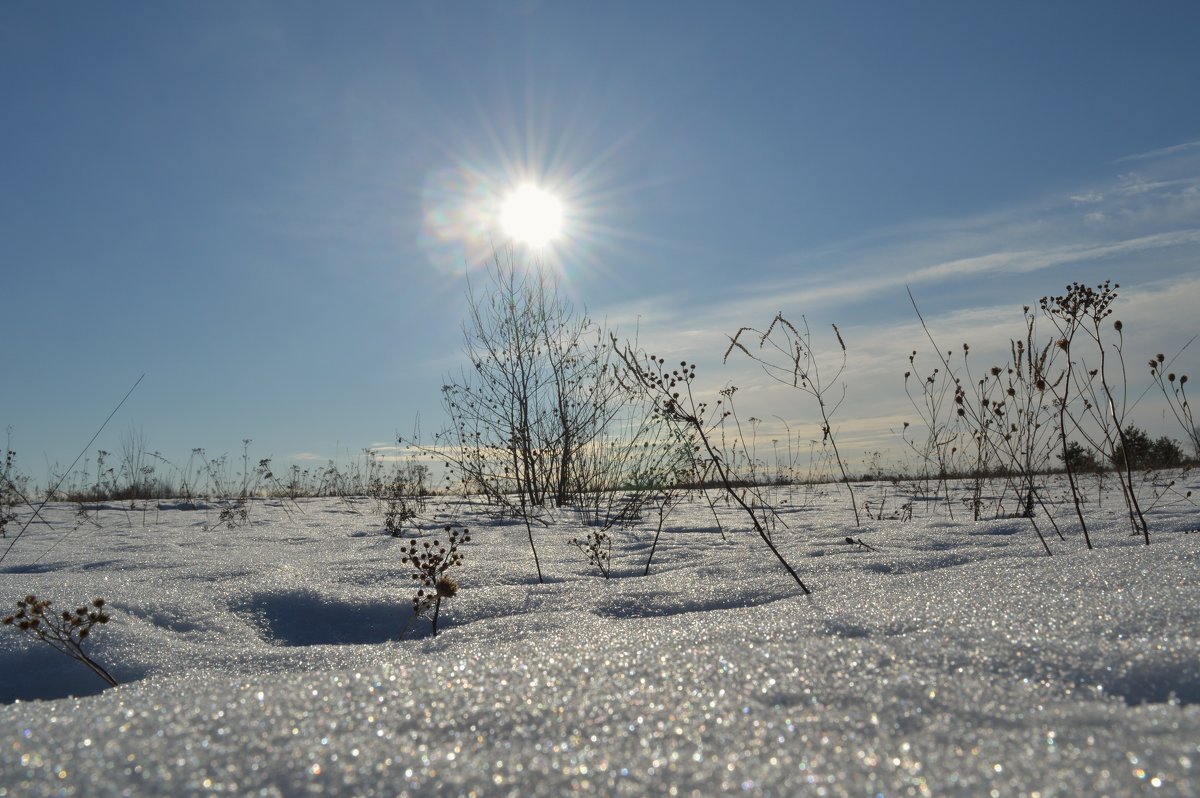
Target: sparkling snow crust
{"points": [[957, 659]]}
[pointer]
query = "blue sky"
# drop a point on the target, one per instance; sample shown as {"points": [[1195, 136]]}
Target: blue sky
{"points": [[268, 208]]}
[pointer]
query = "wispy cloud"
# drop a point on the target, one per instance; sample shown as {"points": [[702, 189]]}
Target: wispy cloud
{"points": [[1128, 222], [1162, 152]]}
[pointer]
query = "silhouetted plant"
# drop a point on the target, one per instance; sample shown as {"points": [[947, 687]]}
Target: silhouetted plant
{"points": [[233, 515], [674, 401], [878, 511], [932, 403], [1003, 413], [430, 561], [665, 500], [1025, 440], [65, 632], [1174, 391], [1084, 310], [597, 547], [11, 491], [795, 363]]}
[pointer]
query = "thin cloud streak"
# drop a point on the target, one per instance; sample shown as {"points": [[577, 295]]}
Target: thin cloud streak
{"points": [[1094, 230], [1161, 152]]}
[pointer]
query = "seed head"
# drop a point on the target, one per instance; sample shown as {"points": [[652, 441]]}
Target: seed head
{"points": [[447, 586]]}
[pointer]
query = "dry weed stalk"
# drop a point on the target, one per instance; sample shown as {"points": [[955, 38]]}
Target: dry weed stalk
{"points": [[1175, 394], [674, 401], [800, 369], [430, 561], [1082, 310], [63, 632]]}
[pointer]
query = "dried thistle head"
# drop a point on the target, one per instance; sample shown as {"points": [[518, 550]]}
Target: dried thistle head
{"points": [[447, 586]]}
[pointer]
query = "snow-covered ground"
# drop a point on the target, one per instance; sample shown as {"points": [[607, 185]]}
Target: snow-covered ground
{"points": [[956, 659]]}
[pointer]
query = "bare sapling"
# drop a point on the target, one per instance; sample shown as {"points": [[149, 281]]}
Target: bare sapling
{"points": [[539, 392]]}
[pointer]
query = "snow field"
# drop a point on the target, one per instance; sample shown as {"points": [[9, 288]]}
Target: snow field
{"points": [[956, 660]]}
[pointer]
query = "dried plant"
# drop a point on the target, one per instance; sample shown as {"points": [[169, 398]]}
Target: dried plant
{"points": [[400, 496], [879, 511], [665, 500], [1025, 440], [793, 362], [597, 547], [65, 632], [430, 560], [233, 515], [1173, 390], [1003, 413], [1080, 314], [11, 491], [932, 405], [674, 402]]}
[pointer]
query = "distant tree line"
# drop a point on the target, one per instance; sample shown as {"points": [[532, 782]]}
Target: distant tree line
{"points": [[1142, 451]]}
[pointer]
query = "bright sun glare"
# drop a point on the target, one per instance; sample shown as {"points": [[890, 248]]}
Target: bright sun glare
{"points": [[532, 216]]}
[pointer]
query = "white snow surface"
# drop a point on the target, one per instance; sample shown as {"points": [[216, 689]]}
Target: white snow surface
{"points": [[957, 659]]}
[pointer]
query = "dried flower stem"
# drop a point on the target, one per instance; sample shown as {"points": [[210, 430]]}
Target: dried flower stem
{"points": [[64, 633]]}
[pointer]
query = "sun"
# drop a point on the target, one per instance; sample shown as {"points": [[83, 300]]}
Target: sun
{"points": [[532, 216]]}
